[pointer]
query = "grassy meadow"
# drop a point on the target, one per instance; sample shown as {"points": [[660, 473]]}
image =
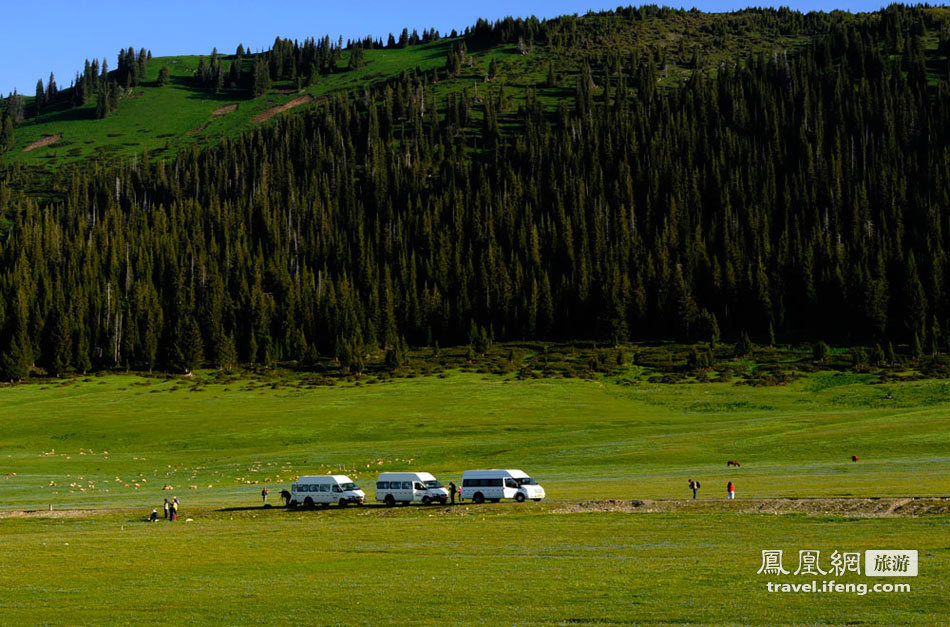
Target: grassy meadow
{"points": [[493, 564], [116, 440], [100, 449]]}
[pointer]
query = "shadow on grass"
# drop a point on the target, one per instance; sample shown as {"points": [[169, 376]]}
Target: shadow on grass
{"points": [[324, 507]]}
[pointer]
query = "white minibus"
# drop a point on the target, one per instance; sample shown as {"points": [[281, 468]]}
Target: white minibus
{"points": [[325, 489], [405, 487], [494, 485]]}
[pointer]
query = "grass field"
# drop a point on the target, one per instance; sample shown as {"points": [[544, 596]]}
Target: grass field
{"points": [[96, 439], [494, 564]]}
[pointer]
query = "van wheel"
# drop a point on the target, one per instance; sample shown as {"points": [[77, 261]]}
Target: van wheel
{"points": [[389, 500], [478, 497], [426, 500], [342, 502], [308, 502], [519, 497]]}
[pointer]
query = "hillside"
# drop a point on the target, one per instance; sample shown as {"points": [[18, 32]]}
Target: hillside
{"points": [[643, 175], [164, 120]]}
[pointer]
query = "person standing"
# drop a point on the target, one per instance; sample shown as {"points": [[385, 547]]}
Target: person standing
{"points": [[460, 495], [264, 494], [694, 486], [731, 489], [175, 508], [452, 492], [166, 505]]}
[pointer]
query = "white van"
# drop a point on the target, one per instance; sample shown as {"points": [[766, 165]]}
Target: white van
{"points": [[494, 485], [325, 489], [405, 487]]}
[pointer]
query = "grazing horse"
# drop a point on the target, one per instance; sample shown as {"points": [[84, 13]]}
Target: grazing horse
{"points": [[733, 462], [854, 458]]}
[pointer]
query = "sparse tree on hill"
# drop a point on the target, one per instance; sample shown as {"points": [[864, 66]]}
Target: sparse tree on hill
{"points": [[164, 76], [40, 98], [260, 78], [16, 107], [356, 58], [7, 137], [51, 90]]}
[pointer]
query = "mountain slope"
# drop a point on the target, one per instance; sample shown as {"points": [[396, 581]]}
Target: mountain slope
{"points": [[164, 120]]}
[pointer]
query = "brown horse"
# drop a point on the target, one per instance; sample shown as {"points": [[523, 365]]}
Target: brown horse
{"points": [[854, 458], [732, 462]]}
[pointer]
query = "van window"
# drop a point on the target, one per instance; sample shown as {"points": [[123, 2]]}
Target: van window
{"points": [[511, 483], [337, 488], [418, 486], [468, 483], [325, 487], [382, 485], [407, 485], [495, 483]]}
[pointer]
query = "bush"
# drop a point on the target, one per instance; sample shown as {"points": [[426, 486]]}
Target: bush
{"points": [[744, 345], [820, 351]]}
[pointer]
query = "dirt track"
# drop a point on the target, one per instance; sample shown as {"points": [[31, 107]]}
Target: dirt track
{"points": [[46, 141], [231, 108], [290, 104], [859, 507], [888, 507], [42, 513]]}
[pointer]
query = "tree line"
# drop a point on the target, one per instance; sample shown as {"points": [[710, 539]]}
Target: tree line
{"points": [[796, 196]]}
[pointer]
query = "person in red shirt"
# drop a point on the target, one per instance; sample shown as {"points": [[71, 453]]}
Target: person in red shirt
{"points": [[731, 488]]}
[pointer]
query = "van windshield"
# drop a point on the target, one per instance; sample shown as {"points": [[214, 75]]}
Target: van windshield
{"points": [[526, 481], [432, 484], [346, 487]]}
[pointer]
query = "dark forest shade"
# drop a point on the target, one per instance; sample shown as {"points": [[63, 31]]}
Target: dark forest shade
{"points": [[803, 196]]}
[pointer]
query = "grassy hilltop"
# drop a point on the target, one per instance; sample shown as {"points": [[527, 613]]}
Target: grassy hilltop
{"points": [[165, 120]]}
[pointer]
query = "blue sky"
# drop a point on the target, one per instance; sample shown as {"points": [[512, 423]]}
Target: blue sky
{"points": [[57, 35]]}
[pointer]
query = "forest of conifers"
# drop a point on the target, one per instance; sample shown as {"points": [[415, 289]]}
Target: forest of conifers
{"points": [[797, 196]]}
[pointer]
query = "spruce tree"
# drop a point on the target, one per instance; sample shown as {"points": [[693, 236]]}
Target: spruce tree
{"points": [[7, 138]]}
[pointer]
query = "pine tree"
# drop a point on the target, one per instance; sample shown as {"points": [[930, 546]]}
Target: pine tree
{"points": [[57, 348], [164, 76], [260, 77], [7, 138], [192, 346], [40, 98], [226, 353], [743, 346]]}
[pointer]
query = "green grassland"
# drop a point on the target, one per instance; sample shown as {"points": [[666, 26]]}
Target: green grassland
{"points": [[493, 564], [110, 443], [96, 438], [165, 120]]}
